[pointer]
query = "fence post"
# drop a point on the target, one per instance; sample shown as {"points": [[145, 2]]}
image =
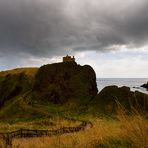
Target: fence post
{"points": [[8, 141], [21, 133]]}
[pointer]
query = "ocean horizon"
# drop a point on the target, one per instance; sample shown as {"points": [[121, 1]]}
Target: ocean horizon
{"points": [[133, 83]]}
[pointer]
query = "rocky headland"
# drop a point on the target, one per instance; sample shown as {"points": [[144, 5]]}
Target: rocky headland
{"points": [[60, 82], [113, 97], [145, 85], [21, 94]]}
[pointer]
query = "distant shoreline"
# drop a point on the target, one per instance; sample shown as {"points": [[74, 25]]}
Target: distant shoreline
{"points": [[133, 83]]}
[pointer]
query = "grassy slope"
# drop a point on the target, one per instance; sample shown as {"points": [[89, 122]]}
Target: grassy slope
{"points": [[31, 71], [19, 110], [124, 132], [16, 108]]}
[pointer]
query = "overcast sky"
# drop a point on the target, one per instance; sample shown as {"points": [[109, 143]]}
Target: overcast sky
{"points": [[109, 35]]}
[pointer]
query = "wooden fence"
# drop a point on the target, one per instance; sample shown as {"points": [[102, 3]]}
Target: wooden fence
{"points": [[22, 133]]}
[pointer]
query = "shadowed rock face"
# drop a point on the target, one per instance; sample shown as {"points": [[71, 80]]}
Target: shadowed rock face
{"points": [[59, 82], [110, 96]]}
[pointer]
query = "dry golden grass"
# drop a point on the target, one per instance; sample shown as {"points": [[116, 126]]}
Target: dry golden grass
{"points": [[46, 124], [1, 142], [80, 139], [31, 71], [98, 133], [136, 131], [133, 129]]}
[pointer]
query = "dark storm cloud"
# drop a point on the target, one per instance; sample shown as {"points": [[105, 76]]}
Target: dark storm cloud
{"points": [[28, 26], [51, 27]]}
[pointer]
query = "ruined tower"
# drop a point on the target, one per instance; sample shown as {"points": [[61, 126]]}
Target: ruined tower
{"points": [[68, 59]]}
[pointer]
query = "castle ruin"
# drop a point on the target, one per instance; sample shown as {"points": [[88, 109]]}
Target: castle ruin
{"points": [[68, 59]]}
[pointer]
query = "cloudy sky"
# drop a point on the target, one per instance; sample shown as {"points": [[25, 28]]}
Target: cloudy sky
{"points": [[109, 35]]}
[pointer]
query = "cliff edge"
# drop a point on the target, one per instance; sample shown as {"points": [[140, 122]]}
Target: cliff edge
{"points": [[60, 82]]}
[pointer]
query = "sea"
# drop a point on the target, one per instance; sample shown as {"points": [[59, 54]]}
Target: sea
{"points": [[133, 83]]}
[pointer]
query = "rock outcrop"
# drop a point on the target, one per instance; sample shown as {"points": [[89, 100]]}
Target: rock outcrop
{"points": [[145, 85], [59, 82], [112, 97]]}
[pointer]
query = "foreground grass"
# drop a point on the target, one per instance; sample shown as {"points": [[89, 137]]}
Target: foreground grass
{"points": [[101, 129], [124, 132]]}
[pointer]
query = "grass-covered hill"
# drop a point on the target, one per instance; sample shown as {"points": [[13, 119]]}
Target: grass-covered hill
{"points": [[33, 93], [30, 71], [15, 82], [62, 82], [14, 85], [61, 88], [63, 94], [113, 97]]}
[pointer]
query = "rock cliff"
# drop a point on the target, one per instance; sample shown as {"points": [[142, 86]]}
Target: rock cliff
{"points": [[59, 82], [112, 97], [145, 85]]}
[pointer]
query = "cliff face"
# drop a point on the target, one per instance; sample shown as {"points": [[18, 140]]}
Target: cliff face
{"points": [[59, 82], [112, 96]]}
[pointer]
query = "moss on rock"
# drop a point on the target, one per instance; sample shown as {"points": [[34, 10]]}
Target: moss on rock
{"points": [[112, 96]]}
